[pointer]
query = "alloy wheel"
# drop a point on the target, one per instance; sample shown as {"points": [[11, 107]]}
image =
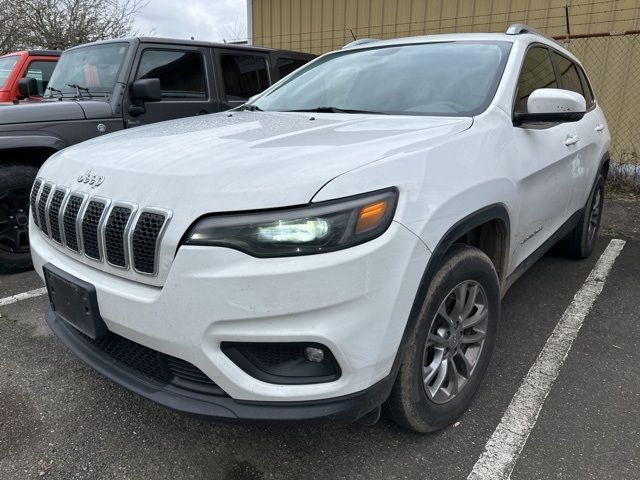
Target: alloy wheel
{"points": [[455, 341], [14, 220], [594, 217]]}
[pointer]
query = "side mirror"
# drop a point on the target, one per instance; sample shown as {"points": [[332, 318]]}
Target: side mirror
{"points": [[552, 105], [27, 87], [146, 90]]}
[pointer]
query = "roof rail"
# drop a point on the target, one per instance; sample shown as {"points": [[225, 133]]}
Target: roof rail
{"points": [[360, 41], [520, 28]]}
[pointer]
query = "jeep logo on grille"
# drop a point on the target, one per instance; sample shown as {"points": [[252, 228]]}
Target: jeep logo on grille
{"points": [[91, 179]]}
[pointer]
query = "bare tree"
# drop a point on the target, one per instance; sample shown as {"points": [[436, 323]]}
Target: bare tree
{"points": [[60, 24], [235, 31], [10, 24]]}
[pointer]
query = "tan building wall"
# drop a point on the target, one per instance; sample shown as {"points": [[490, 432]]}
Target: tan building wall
{"points": [[613, 62]]}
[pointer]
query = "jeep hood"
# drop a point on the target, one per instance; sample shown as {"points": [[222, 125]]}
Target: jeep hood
{"points": [[240, 160], [52, 111]]}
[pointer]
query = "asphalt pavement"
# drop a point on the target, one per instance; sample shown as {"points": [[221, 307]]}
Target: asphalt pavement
{"points": [[61, 420]]}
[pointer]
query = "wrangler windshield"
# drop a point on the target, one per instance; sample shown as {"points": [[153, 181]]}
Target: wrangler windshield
{"points": [[444, 78], [6, 67], [94, 68]]}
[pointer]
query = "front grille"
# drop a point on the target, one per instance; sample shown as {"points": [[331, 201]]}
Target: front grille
{"points": [[42, 203], [145, 238], [83, 224], [32, 200], [54, 211], [90, 224], [69, 222], [114, 236], [153, 365]]}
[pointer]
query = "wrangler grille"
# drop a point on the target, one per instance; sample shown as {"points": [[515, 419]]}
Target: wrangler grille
{"points": [[100, 231]]}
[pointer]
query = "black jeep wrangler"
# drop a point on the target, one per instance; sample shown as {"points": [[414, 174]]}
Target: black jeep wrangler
{"points": [[107, 86]]}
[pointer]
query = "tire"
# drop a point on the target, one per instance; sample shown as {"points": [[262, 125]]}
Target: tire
{"points": [[15, 185], [418, 405], [582, 239]]}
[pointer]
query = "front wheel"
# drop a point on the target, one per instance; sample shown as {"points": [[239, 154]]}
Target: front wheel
{"points": [[451, 343], [15, 186]]}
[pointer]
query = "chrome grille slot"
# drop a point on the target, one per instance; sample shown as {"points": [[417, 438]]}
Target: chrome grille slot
{"points": [[69, 222], [115, 240], [34, 198], [54, 214], [42, 203], [145, 241], [90, 224]]}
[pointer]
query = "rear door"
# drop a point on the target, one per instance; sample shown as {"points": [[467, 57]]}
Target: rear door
{"points": [[543, 159], [184, 73], [241, 75], [589, 132]]}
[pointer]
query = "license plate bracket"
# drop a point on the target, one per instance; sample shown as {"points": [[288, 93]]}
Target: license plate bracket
{"points": [[74, 301]]}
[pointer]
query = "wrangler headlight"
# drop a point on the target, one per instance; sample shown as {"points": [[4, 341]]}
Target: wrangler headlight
{"points": [[317, 228]]}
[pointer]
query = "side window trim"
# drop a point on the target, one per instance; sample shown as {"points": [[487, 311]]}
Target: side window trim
{"points": [[581, 74], [29, 66], [522, 62], [586, 84], [196, 97], [220, 52]]}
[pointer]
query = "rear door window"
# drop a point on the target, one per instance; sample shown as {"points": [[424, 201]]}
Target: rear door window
{"points": [[569, 78], [537, 72], [243, 75], [41, 70], [181, 73], [586, 88], [287, 65]]}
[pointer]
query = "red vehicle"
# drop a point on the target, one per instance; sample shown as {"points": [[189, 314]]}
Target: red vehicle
{"points": [[36, 64]]}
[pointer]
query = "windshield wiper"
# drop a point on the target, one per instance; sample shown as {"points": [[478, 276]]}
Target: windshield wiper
{"points": [[59, 92], [251, 108], [334, 110], [78, 88]]}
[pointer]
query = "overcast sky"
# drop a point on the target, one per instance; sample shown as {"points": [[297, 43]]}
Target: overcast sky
{"points": [[212, 20]]}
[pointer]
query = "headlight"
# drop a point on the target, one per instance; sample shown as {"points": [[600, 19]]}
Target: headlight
{"points": [[318, 228]]}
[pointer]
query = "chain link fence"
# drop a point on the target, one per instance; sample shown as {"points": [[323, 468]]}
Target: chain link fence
{"points": [[613, 64]]}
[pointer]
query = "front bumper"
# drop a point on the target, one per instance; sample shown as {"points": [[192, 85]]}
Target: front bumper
{"points": [[354, 301], [346, 409]]}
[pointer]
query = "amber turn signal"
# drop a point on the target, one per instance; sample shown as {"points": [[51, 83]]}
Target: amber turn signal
{"points": [[371, 216]]}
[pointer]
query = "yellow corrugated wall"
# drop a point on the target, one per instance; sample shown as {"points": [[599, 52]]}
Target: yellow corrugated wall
{"points": [[321, 25], [613, 64]]}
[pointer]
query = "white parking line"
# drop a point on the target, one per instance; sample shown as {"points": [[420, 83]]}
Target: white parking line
{"points": [[503, 448], [22, 296]]}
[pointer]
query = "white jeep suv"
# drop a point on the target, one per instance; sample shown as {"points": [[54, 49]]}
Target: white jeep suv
{"points": [[341, 241]]}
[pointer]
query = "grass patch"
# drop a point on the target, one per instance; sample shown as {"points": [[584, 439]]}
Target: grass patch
{"points": [[624, 177]]}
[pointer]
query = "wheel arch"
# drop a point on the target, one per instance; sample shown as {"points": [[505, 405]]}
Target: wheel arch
{"points": [[31, 150], [492, 213]]}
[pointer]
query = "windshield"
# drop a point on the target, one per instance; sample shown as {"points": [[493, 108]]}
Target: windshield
{"points": [[445, 78], [6, 67], [95, 68]]}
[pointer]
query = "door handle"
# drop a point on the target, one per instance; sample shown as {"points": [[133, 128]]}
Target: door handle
{"points": [[599, 127], [571, 140]]}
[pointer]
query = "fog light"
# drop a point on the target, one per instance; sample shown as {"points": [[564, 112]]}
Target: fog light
{"points": [[314, 354]]}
